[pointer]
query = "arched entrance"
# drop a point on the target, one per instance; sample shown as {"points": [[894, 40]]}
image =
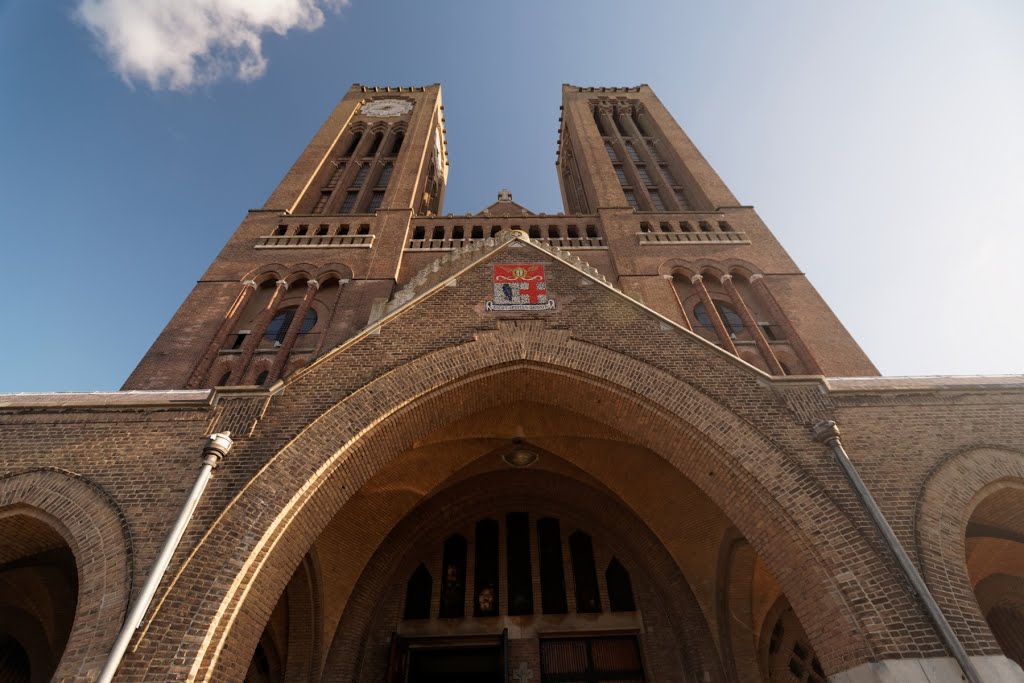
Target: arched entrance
{"points": [[995, 563], [682, 432], [38, 597]]}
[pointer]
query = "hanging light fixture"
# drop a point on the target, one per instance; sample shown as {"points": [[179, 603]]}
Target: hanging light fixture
{"points": [[520, 455]]}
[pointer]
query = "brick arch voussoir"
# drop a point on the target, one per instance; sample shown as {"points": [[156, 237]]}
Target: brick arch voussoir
{"points": [[348, 445], [946, 500], [96, 530]]}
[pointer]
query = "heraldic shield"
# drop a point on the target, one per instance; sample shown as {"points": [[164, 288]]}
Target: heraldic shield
{"points": [[520, 287]]}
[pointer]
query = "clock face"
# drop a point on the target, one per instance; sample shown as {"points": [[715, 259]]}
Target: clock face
{"points": [[386, 108]]}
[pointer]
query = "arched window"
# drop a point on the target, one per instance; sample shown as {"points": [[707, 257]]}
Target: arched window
{"points": [[396, 147], [375, 145], [278, 327], [581, 548], [418, 592], [262, 377], [732, 320], [620, 589], [224, 379], [355, 143], [453, 586]]}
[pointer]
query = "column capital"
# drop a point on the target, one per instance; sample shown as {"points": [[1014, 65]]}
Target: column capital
{"points": [[696, 278], [282, 283], [756, 276], [250, 283], [668, 276], [725, 278], [313, 283]]}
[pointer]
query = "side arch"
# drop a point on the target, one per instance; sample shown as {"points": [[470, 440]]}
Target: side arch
{"points": [[95, 529], [946, 500]]}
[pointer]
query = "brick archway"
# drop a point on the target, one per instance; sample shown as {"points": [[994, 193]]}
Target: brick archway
{"points": [[98, 538], [946, 501], [748, 477]]}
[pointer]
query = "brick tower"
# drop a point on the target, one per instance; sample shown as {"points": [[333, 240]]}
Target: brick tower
{"points": [[360, 213], [626, 442]]}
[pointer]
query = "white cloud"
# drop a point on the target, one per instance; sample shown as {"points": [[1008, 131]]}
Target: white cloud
{"points": [[179, 43]]}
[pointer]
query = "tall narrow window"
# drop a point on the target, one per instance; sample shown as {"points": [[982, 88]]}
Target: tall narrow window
{"points": [[621, 175], [631, 198], [617, 117], [385, 175], [584, 572], [599, 123], [375, 145], [418, 591], [684, 203], [732, 320], [360, 176], [485, 569], [667, 172], [520, 579], [631, 151], [656, 200], [552, 576], [278, 327], [453, 587], [620, 589], [354, 144], [375, 200], [396, 147], [611, 152], [645, 177], [349, 204]]}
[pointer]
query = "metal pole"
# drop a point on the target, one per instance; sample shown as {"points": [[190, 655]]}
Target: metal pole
{"points": [[827, 432], [217, 446]]}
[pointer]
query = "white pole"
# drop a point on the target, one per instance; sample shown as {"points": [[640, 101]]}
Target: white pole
{"points": [[217, 446]]}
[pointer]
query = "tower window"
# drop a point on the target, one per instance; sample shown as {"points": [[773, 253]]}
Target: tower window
{"points": [[704, 226], [375, 199], [666, 227], [302, 230], [385, 175], [684, 204], [592, 231], [534, 232], [278, 327], [617, 117], [281, 230], [419, 233], [667, 172], [350, 202], [397, 146], [438, 233], [495, 229], [599, 123], [322, 230], [631, 151], [685, 226], [343, 229], [732, 320], [364, 229], [224, 379], [656, 200], [262, 377], [645, 177], [621, 175], [375, 145], [653, 149], [360, 176], [355, 143], [478, 233], [611, 152], [631, 199], [573, 232], [724, 227], [457, 233]]}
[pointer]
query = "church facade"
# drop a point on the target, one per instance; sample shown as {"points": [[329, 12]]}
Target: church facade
{"points": [[626, 442]]}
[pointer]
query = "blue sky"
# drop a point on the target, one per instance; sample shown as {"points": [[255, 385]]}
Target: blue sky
{"points": [[881, 141]]}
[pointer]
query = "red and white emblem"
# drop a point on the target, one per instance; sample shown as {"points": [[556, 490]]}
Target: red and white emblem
{"points": [[520, 287]]}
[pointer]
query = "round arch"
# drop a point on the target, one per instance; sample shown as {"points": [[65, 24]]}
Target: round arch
{"points": [[95, 530], [946, 501], [740, 470]]}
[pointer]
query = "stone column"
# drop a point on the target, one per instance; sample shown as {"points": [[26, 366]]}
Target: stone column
{"points": [[293, 331], [802, 352], [259, 328], [755, 332], [230, 320], [716, 319], [671, 280]]}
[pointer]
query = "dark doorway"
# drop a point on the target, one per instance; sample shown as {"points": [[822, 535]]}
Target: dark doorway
{"points": [[456, 665]]}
